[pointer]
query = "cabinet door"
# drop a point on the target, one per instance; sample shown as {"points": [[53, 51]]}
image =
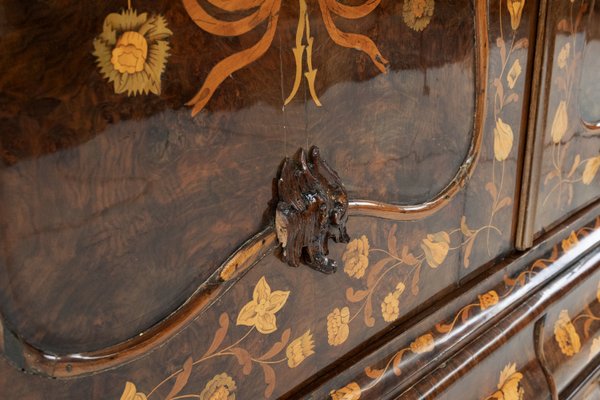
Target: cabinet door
{"points": [[141, 144], [563, 154]]}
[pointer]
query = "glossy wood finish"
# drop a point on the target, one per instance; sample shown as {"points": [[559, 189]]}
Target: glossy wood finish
{"points": [[144, 272], [143, 198], [458, 318], [563, 149]]}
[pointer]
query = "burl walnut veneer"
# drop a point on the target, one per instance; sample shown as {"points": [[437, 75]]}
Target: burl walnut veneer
{"points": [[300, 199]]}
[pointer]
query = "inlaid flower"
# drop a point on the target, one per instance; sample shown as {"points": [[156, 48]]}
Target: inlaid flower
{"points": [[349, 392], [591, 169], [509, 384], [514, 73], [488, 299], [563, 55], [221, 387], [260, 311], [515, 9], [436, 246], [560, 122], [390, 307], [570, 242], [503, 140], [417, 13], [356, 257], [565, 335], [337, 326], [132, 51], [423, 344], [131, 393], [597, 295], [595, 347], [299, 349]]}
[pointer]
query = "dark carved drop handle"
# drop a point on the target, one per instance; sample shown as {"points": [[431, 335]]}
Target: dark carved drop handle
{"points": [[312, 207]]}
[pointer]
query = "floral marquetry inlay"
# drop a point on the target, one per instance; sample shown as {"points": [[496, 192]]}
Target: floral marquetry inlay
{"points": [[130, 393], [565, 335], [132, 51], [570, 335], [509, 385], [260, 311], [349, 392], [221, 387], [260, 315], [570, 165]]}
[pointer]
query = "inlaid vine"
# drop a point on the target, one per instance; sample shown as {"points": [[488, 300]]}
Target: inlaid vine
{"points": [[564, 176], [260, 316], [400, 267]]}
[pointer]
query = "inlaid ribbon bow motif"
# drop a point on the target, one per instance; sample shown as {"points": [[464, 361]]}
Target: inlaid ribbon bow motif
{"points": [[261, 11]]}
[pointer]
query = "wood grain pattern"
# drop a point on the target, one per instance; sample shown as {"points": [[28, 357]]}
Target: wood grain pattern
{"points": [[127, 197], [563, 150], [138, 221]]}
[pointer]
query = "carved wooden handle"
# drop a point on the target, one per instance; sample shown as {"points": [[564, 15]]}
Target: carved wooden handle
{"points": [[312, 207]]}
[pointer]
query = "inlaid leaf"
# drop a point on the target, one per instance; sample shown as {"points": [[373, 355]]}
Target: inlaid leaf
{"points": [[551, 175], [408, 257], [396, 362], [464, 315], [502, 46], [570, 194], [414, 287], [182, 378], [376, 269], [491, 188], [563, 156], [586, 327], [373, 373], [468, 251], [392, 241], [443, 328], [576, 163], [505, 202], [369, 320], [522, 43], [270, 379], [464, 228], [512, 98], [219, 334], [243, 358], [356, 296], [506, 373], [278, 346]]}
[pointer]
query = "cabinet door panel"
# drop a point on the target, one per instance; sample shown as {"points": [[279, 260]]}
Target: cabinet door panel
{"points": [[564, 144], [138, 164]]}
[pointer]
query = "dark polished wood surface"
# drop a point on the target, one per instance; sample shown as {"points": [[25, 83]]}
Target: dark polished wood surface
{"points": [[564, 138], [139, 257], [125, 196]]}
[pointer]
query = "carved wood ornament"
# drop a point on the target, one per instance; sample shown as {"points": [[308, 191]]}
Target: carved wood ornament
{"points": [[312, 207]]}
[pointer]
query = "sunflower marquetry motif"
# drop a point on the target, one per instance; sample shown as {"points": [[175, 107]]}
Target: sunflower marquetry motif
{"points": [[132, 51]]}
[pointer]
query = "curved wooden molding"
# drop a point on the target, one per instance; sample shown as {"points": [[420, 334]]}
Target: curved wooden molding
{"points": [[34, 360], [538, 340], [464, 172]]}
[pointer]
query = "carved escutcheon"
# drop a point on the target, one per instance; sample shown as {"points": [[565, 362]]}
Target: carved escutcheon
{"points": [[312, 207]]}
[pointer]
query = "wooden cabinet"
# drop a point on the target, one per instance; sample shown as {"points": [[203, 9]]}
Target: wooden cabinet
{"points": [[159, 176]]}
